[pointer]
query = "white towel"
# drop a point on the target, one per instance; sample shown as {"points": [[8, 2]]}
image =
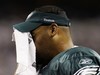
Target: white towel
{"points": [[26, 53]]}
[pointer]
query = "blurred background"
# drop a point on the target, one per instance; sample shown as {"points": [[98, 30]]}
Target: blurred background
{"points": [[85, 29]]}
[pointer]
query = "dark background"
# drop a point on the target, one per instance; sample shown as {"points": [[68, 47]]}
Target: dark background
{"points": [[85, 29]]}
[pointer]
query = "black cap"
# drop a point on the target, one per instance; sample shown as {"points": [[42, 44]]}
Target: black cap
{"points": [[36, 19]]}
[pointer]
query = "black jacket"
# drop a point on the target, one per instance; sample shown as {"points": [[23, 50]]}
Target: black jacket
{"points": [[75, 61]]}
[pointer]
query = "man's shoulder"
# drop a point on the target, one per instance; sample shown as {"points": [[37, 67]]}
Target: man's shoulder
{"points": [[78, 56], [69, 61], [76, 52]]}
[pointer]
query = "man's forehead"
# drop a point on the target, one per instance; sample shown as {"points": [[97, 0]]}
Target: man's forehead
{"points": [[40, 28]]}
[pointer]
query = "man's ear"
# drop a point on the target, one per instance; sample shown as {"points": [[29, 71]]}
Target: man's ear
{"points": [[53, 29]]}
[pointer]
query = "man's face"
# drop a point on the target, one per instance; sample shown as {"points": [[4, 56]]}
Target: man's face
{"points": [[42, 41]]}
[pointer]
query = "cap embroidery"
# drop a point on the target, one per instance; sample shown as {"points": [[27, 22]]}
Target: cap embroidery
{"points": [[48, 20]]}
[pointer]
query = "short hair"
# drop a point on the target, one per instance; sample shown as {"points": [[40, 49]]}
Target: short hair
{"points": [[45, 14], [52, 9]]}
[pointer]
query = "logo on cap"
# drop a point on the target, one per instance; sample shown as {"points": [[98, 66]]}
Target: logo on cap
{"points": [[48, 20]]}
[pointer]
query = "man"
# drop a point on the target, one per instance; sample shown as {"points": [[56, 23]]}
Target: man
{"points": [[55, 51]]}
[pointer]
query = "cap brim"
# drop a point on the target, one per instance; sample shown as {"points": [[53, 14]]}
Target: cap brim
{"points": [[26, 26]]}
